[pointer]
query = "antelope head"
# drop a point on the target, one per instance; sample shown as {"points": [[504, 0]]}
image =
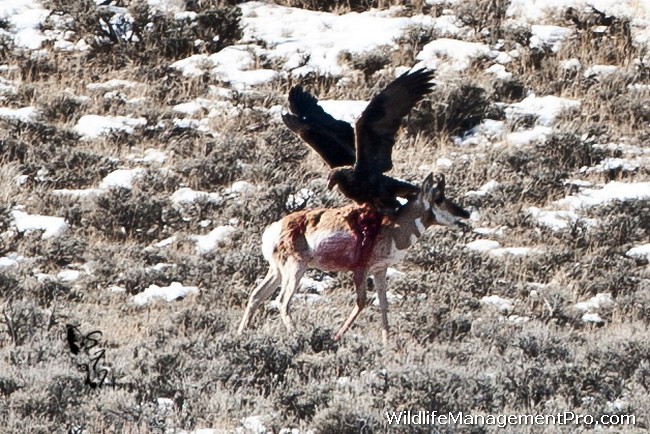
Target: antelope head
{"points": [[441, 210]]}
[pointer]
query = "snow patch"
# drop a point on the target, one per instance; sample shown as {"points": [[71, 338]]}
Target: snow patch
{"points": [[615, 190], [51, 226], [93, 126], [503, 305], [309, 285], [572, 64], [484, 189], [483, 245], [299, 199], [641, 252], [121, 178], [304, 41], [391, 298], [216, 237], [548, 36], [450, 55], [485, 133], [600, 71], [545, 108], [495, 249], [233, 64], [499, 72], [557, 220], [26, 17], [25, 114], [537, 134], [490, 231], [11, 259], [392, 273], [592, 317], [254, 424], [7, 87], [241, 188], [165, 404], [150, 155], [344, 110], [186, 195], [117, 289], [600, 300], [608, 164], [512, 251], [113, 84], [68, 275], [444, 163], [168, 293]]}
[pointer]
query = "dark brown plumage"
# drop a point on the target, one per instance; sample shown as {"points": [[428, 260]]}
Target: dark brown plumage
{"points": [[359, 157], [332, 139]]}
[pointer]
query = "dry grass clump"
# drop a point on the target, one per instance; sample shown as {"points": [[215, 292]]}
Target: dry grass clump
{"points": [[54, 253], [510, 90], [130, 267], [62, 109], [536, 175], [45, 292], [133, 213], [613, 46], [369, 62], [569, 151], [341, 418], [450, 110], [221, 166], [624, 224], [413, 6], [485, 17], [151, 37], [46, 153]]}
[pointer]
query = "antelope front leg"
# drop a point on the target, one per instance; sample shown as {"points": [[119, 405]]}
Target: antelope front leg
{"points": [[380, 285], [360, 283]]}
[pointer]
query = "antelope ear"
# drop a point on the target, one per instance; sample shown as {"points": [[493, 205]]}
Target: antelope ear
{"points": [[427, 185], [441, 183]]}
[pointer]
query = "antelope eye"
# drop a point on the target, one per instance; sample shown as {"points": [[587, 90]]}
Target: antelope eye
{"points": [[438, 200]]}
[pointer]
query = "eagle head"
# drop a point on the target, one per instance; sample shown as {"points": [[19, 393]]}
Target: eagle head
{"points": [[337, 176]]}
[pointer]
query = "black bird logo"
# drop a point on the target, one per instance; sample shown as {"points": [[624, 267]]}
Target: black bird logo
{"points": [[74, 338]]}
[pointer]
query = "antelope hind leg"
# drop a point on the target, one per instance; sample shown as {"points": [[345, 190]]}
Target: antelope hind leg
{"points": [[291, 275], [259, 294]]}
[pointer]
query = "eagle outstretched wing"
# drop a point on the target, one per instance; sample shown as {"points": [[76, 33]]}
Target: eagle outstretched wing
{"points": [[379, 122], [331, 138]]}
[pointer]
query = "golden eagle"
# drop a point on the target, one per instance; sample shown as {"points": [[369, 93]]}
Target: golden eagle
{"points": [[359, 157]]}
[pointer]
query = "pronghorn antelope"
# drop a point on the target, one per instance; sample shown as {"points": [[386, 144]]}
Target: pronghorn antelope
{"points": [[352, 238]]}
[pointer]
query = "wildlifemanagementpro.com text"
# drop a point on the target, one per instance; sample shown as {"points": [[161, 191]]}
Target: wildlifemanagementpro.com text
{"points": [[424, 417]]}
